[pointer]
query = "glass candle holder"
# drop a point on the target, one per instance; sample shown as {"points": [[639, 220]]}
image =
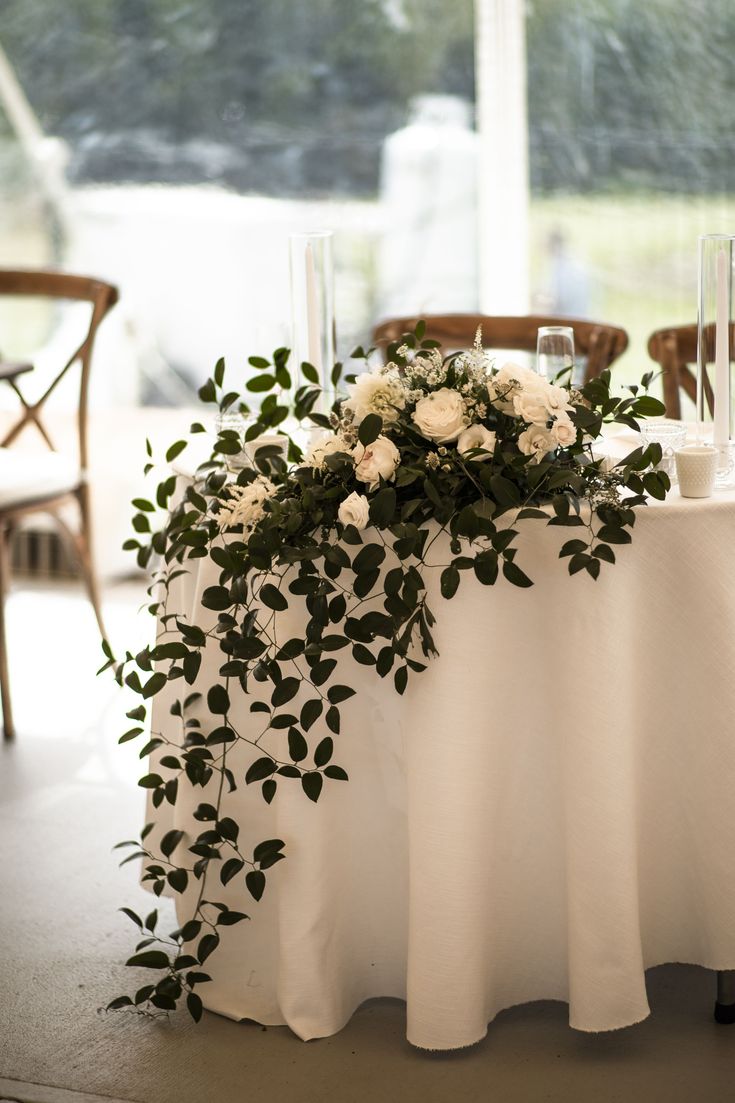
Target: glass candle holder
{"points": [[671, 435], [312, 305], [715, 385]]}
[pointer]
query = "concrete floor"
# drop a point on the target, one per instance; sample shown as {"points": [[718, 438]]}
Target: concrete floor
{"points": [[67, 793]]}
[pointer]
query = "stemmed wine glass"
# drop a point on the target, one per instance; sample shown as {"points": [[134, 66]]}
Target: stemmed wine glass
{"points": [[555, 351]]}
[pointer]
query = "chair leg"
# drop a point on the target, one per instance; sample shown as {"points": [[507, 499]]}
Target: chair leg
{"points": [[81, 542], [8, 727], [725, 1005]]}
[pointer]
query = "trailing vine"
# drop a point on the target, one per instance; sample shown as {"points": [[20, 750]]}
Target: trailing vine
{"points": [[336, 542]]}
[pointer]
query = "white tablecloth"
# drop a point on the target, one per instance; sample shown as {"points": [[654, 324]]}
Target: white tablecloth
{"points": [[547, 811]]}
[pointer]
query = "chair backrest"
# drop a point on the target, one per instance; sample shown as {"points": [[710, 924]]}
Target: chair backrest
{"points": [[674, 348], [599, 343], [59, 285]]}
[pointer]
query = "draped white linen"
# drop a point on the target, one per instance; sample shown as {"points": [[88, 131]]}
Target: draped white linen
{"points": [[545, 813]]}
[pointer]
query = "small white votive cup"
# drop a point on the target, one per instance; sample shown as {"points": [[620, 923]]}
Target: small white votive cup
{"points": [[696, 467]]}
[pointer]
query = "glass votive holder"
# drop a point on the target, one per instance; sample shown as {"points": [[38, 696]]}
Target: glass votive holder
{"points": [[671, 435]]}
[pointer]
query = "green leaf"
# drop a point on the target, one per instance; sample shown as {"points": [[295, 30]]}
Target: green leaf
{"points": [[170, 841], [332, 718], [370, 429], [368, 558], [486, 567], [155, 683], [272, 597], [175, 450], [614, 535], [310, 713], [336, 773], [255, 882], [324, 751], [400, 679], [217, 598], [207, 946], [312, 785], [515, 575], [230, 869], [260, 769], [297, 745], [383, 506], [261, 383], [310, 373], [150, 959], [178, 879], [285, 691], [449, 581], [337, 694], [194, 1006], [218, 700]]}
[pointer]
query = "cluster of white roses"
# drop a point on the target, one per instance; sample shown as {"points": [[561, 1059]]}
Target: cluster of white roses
{"points": [[445, 415], [543, 406]]}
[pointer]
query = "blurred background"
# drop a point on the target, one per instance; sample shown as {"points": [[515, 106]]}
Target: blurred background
{"points": [[553, 155]]}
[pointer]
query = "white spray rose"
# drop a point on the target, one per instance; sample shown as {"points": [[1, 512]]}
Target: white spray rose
{"points": [[509, 381], [530, 405], [244, 504], [557, 399], [377, 461], [381, 393], [354, 511], [324, 446], [564, 431], [477, 436], [441, 416], [536, 442]]}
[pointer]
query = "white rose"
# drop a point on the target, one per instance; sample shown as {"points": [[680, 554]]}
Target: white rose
{"points": [[557, 399], [477, 436], [354, 511], [536, 442], [509, 381], [378, 461], [441, 416], [324, 446], [564, 431], [531, 407], [381, 393]]}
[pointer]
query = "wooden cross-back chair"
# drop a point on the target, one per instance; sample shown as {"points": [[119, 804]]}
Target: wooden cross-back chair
{"points": [[599, 343], [47, 482], [675, 349]]}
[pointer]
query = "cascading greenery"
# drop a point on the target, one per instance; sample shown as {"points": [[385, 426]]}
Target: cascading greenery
{"points": [[425, 446]]}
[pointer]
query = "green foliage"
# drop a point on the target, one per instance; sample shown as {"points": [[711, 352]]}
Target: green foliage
{"points": [[365, 591]]}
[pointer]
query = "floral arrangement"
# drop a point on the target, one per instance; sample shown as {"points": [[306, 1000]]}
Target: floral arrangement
{"points": [[422, 446]]}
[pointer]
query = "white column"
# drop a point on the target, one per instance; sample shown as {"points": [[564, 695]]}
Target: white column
{"points": [[503, 187]]}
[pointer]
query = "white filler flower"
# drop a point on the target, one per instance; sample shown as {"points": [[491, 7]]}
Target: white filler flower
{"points": [[244, 504]]}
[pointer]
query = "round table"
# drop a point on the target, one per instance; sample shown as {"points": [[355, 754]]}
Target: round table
{"points": [[544, 814]]}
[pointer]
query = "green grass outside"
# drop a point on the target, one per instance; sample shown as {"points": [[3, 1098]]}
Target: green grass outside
{"points": [[641, 252]]}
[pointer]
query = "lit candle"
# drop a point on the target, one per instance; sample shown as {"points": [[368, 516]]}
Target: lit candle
{"points": [[313, 328], [722, 354]]}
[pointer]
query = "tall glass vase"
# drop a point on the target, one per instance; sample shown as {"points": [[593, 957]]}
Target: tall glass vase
{"points": [[715, 349], [312, 304]]}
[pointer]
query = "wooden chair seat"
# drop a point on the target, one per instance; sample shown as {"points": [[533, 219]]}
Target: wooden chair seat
{"points": [[598, 343]]}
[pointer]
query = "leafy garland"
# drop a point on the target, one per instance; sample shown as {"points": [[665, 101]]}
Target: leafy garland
{"points": [[422, 446]]}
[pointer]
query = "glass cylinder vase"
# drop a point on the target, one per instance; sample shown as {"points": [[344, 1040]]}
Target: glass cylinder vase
{"points": [[715, 352], [312, 305]]}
